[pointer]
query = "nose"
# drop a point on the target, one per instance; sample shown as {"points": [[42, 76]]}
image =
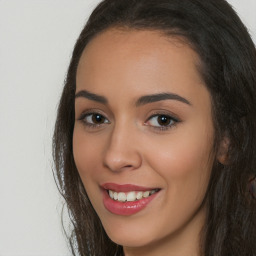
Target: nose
{"points": [[122, 151]]}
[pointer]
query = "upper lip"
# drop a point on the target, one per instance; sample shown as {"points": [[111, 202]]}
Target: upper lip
{"points": [[125, 187]]}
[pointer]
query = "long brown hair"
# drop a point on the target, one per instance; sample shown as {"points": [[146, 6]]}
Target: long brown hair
{"points": [[228, 67]]}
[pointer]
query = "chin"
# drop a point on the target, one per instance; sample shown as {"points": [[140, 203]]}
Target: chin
{"points": [[131, 241], [130, 236]]}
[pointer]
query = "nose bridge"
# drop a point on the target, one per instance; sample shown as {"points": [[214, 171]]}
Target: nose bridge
{"points": [[121, 150]]}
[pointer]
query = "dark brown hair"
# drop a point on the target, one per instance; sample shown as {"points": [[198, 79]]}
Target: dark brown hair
{"points": [[228, 67]]}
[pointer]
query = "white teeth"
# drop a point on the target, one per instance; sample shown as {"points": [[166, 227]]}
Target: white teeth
{"points": [[139, 195], [121, 197], [111, 194], [146, 194], [130, 196]]}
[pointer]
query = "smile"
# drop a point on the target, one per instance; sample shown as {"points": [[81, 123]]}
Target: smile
{"points": [[131, 196], [127, 199]]}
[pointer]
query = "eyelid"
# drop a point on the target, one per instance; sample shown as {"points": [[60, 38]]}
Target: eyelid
{"points": [[164, 113], [89, 112], [173, 117]]}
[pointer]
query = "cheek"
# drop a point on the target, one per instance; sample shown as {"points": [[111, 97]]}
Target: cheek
{"points": [[86, 154], [184, 163], [185, 167]]}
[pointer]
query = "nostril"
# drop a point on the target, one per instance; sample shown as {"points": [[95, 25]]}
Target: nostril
{"points": [[117, 158]]}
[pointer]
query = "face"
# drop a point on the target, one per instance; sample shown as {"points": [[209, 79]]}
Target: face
{"points": [[143, 139]]}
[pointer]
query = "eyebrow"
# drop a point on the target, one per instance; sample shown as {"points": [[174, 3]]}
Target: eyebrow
{"points": [[147, 99], [161, 96], [91, 96]]}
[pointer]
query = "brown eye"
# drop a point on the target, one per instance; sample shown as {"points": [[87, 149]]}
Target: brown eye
{"points": [[94, 119], [161, 121], [164, 120], [98, 119]]}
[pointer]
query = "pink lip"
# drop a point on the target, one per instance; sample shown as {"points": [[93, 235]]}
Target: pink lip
{"points": [[125, 208]]}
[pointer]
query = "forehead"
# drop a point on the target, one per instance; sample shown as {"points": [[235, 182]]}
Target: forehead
{"points": [[139, 62], [142, 46]]}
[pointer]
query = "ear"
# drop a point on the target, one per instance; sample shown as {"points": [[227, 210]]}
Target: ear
{"points": [[222, 154]]}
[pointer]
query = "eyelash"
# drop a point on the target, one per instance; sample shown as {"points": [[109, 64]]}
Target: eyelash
{"points": [[172, 121], [83, 117]]}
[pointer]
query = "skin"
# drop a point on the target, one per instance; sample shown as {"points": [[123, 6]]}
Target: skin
{"points": [[131, 147]]}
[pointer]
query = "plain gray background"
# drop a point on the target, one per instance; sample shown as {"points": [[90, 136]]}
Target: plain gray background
{"points": [[36, 41]]}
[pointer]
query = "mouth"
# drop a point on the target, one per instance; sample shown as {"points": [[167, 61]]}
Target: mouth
{"points": [[131, 196], [127, 199]]}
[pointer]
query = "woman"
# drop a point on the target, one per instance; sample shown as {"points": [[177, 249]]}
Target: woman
{"points": [[155, 140]]}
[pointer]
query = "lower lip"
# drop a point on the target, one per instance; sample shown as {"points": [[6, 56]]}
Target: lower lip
{"points": [[125, 208]]}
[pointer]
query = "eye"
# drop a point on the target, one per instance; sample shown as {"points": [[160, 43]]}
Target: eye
{"points": [[93, 119], [161, 121]]}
